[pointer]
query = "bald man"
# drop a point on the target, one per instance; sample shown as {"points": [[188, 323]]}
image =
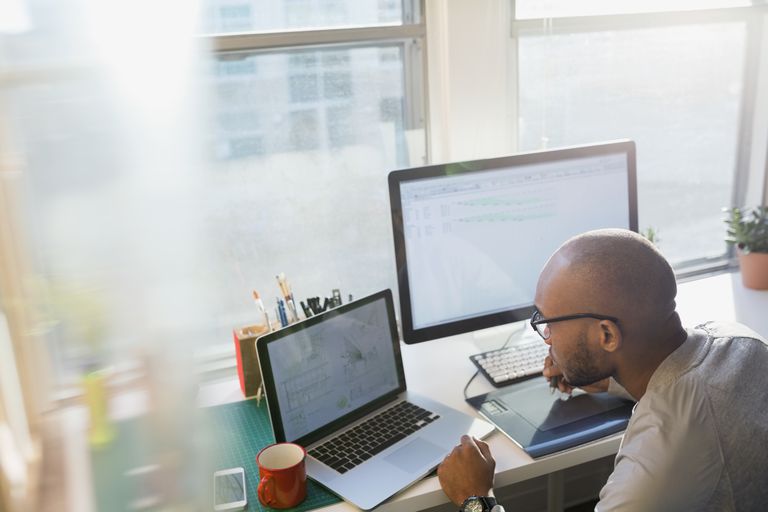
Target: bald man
{"points": [[698, 436]]}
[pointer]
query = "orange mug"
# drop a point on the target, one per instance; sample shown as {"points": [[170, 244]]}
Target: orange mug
{"points": [[283, 475]]}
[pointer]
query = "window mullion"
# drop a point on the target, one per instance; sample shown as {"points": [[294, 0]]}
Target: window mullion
{"points": [[282, 40], [575, 24]]}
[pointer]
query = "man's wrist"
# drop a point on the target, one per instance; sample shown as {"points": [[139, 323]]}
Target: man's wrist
{"points": [[486, 503]]}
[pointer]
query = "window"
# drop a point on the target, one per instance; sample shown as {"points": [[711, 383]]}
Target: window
{"points": [[150, 229], [304, 88], [332, 121], [341, 121], [337, 84], [307, 105], [678, 84], [304, 130]]}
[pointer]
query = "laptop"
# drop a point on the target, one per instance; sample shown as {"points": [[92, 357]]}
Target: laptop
{"points": [[335, 385]]}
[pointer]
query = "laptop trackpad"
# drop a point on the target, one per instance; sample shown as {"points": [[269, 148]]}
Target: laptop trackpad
{"points": [[412, 456]]}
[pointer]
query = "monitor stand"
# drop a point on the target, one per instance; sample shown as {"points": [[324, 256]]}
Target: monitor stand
{"points": [[495, 337]]}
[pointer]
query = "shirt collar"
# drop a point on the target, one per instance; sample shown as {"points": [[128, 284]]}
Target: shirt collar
{"points": [[687, 356]]}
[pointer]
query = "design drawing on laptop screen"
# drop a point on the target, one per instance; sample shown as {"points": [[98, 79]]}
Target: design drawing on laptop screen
{"points": [[332, 368]]}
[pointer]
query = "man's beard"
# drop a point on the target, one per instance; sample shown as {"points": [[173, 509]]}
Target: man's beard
{"points": [[581, 368]]}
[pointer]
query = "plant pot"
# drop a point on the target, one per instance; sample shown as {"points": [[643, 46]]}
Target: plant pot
{"points": [[754, 270]]}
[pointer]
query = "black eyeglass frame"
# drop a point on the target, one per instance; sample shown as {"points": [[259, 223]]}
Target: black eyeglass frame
{"points": [[538, 319]]}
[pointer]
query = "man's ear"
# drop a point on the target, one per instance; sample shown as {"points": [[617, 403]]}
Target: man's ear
{"points": [[610, 336]]}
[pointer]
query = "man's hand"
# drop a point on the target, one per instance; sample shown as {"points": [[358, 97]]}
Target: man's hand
{"points": [[550, 370], [467, 471]]}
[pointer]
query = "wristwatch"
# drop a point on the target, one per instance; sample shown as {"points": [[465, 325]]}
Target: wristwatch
{"points": [[481, 504]]}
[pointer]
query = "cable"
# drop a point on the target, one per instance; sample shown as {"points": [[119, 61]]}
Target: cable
{"points": [[514, 333], [468, 383], [509, 338]]}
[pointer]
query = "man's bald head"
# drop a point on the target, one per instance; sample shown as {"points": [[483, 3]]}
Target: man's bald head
{"points": [[612, 272]]}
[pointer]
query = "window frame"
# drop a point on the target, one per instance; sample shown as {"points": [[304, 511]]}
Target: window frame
{"points": [[411, 34]]}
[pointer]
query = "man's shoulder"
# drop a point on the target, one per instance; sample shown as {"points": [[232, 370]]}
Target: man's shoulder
{"points": [[716, 329], [670, 452], [678, 404]]}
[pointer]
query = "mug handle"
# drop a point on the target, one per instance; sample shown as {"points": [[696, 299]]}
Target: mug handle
{"points": [[265, 490]]}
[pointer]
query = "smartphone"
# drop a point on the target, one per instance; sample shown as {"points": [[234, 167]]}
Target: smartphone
{"points": [[229, 489]]}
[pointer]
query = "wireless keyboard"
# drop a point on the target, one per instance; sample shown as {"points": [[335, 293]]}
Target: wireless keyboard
{"points": [[512, 364]]}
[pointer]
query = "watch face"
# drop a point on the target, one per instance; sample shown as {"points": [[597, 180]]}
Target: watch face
{"points": [[473, 505]]}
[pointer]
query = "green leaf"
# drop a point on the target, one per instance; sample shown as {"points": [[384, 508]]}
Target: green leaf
{"points": [[747, 228]]}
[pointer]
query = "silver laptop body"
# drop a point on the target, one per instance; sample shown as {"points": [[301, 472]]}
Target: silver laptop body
{"points": [[333, 372]]}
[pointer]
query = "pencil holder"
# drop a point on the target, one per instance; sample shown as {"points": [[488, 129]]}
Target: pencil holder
{"points": [[247, 360]]}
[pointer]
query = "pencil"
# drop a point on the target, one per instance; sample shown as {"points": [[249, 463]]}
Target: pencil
{"points": [[260, 305]]}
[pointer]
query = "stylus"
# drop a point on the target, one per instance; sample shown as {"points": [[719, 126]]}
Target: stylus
{"points": [[553, 384]]}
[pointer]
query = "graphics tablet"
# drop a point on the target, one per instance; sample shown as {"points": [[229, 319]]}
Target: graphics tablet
{"points": [[542, 423]]}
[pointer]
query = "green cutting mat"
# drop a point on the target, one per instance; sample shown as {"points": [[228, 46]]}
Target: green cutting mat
{"points": [[242, 429]]}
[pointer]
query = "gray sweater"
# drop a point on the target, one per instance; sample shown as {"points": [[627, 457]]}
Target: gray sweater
{"points": [[698, 438]]}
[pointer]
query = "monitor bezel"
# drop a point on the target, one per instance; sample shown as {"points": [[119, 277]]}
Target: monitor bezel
{"points": [[409, 333]]}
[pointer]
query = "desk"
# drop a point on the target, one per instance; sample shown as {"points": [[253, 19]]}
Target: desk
{"points": [[441, 368]]}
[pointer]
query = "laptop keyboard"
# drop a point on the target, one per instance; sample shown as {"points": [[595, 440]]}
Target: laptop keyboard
{"points": [[512, 364], [374, 435]]}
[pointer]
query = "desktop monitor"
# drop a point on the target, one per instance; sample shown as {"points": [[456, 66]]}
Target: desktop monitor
{"points": [[471, 237]]}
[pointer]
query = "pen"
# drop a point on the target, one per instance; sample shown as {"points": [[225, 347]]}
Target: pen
{"points": [[307, 311], [260, 305], [259, 393], [292, 310], [281, 282], [281, 312]]}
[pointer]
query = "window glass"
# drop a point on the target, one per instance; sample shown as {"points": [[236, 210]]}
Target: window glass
{"points": [[297, 146], [675, 90], [232, 16], [527, 9], [299, 184]]}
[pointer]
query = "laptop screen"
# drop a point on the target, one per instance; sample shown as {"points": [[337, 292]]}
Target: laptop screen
{"points": [[324, 370]]}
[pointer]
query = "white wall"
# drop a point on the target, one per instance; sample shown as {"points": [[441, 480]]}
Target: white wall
{"points": [[757, 189], [471, 97]]}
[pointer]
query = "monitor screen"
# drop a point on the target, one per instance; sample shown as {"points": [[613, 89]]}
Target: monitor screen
{"points": [[472, 237]]}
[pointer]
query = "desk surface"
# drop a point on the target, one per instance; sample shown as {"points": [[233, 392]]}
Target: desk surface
{"points": [[441, 368]]}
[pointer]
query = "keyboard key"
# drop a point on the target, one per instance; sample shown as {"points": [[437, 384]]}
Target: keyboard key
{"points": [[331, 461], [512, 364], [373, 436]]}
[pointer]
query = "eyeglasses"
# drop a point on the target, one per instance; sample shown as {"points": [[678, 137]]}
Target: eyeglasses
{"points": [[541, 324]]}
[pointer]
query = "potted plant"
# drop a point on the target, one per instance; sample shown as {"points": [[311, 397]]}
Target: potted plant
{"points": [[748, 231]]}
